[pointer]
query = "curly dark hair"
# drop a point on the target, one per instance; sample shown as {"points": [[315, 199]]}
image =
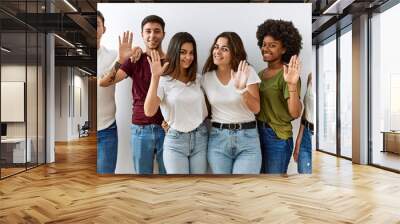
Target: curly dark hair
{"points": [[284, 31]]}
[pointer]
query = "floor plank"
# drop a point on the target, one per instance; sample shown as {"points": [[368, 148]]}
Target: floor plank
{"points": [[70, 191]]}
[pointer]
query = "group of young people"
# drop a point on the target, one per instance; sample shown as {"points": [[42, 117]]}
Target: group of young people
{"points": [[250, 114]]}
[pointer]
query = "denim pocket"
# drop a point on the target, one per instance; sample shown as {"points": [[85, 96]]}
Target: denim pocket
{"points": [[271, 133], [250, 133], [174, 134], [203, 131], [214, 131], [136, 129]]}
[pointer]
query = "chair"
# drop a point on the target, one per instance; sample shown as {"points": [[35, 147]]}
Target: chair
{"points": [[84, 130]]}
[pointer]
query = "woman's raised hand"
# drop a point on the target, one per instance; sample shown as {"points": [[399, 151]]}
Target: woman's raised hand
{"points": [[291, 72], [155, 64], [241, 76]]}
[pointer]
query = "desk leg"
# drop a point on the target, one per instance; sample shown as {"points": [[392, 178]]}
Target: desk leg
{"points": [[384, 142]]}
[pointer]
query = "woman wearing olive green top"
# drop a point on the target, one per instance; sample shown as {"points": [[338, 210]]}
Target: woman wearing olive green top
{"points": [[280, 43]]}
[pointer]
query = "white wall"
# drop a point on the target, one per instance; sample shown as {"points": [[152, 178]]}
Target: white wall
{"points": [[68, 81], [80, 84], [61, 103], [204, 22]]}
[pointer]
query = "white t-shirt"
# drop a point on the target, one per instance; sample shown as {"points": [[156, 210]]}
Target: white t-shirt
{"points": [[183, 106], [309, 105], [227, 105], [105, 95]]}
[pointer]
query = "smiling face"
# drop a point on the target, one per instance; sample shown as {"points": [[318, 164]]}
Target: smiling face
{"points": [[221, 52], [152, 35], [272, 49], [186, 55], [182, 57]]}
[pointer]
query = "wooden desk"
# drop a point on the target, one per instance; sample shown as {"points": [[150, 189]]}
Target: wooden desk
{"points": [[391, 141]]}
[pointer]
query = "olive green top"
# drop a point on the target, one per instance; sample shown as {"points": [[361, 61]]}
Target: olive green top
{"points": [[274, 110]]}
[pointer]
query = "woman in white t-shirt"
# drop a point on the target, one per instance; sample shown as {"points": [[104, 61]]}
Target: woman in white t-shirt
{"points": [[231, 87], [176, 88]]}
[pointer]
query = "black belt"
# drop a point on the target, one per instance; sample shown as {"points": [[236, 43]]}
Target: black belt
{"points": [[237, 126], [308, 125], [263, 124]]}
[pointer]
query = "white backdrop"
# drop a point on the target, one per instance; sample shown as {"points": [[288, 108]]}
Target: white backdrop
{"points": [[204, 21]]}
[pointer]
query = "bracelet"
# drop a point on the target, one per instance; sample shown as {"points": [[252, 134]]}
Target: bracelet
{"points": [[241, 91]]}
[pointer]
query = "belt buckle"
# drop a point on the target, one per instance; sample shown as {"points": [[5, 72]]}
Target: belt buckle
{"points": [[239, 126], [234, 126]]}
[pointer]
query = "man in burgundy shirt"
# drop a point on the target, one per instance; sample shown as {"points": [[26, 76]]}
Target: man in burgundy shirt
{"points": [[147, 135]]}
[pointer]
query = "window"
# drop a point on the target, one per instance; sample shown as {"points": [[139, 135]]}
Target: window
{"points": [[346, 92], [22, 69], [327, 96], [385, 89]]}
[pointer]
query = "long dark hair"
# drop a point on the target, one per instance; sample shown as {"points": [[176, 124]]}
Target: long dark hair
{"points": [[173, 55], [236, 48]]}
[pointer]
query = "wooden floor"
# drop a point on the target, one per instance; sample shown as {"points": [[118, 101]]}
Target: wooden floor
{"points": [[387, 159], [10, 171], [70, 191]]}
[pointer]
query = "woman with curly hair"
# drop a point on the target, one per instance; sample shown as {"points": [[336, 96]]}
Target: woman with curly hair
{"points": [[280, 43]]}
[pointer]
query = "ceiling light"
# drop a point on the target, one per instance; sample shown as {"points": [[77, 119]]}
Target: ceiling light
{"points": [[65, 41], [337, 7], [84, 71], [5, 50], [70, 5]]}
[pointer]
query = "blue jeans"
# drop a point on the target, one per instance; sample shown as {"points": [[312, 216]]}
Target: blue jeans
{"points": [[147, 141], [276, 152], [107, 149], [186, 153], [234, 151], [304, 161]]}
